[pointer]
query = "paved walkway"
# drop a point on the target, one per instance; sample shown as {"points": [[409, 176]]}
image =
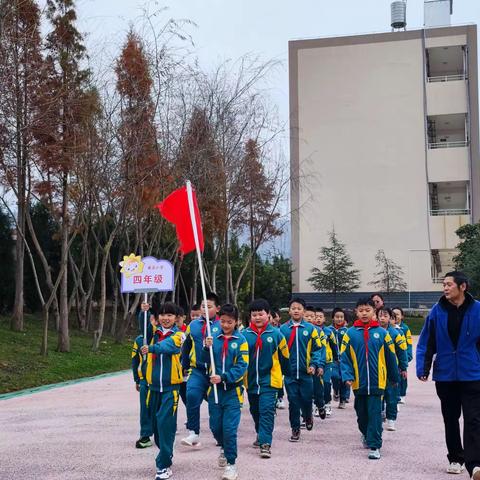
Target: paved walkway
{"points": [[88, 431]]}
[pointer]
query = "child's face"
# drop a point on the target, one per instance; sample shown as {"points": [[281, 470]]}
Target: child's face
{"points": [[398, 316], [319, 318], [339, 318], [180, 320], [296, 311], [259, 319], [195, 314], [167, 320], [384, 319], [309, 316], [228, 324], [365, 313], [212, 309], [274, 320]]}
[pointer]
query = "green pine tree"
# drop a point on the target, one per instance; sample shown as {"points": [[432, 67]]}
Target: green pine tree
{"points": [[468, 258], [389, 277]]}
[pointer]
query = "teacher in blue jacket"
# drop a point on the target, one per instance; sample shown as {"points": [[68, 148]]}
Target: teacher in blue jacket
{"points": [[451, 334]]}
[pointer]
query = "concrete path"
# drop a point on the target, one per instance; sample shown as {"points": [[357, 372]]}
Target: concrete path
{"points": [[88, 431]]}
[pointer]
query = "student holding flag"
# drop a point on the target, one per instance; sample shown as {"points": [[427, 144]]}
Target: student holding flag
{"points": [[269, 361], [230, 354]]}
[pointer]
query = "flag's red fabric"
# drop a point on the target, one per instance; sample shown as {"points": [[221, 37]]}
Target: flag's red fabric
{"points": [[175, 209]]}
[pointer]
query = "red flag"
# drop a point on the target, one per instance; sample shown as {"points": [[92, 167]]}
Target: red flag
{"points": [[175, 209]]}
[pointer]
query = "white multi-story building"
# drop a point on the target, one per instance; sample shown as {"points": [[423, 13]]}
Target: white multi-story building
{"points": [[385, 150]]}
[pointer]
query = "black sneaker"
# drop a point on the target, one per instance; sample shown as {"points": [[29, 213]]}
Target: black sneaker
{"points": [[336, 397], [265, 451], [309, 423], [143, 442], [303, 425], [322, 413], [295, 435], [255, 444]]}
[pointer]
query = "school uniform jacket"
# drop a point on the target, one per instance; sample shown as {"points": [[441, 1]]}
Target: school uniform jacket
{"points": [[400, 344], [306, 348], [268, 363], [331, 351], [339, 333], [368, 359], [192, 350], [408, 336], [164, 371], [231, 363], [138, 365]]}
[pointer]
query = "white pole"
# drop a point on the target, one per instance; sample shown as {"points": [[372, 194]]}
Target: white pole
{"points": [[145, 299], [202, 279]]}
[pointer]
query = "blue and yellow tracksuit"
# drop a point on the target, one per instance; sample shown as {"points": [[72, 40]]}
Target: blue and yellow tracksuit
{"points": [[164, 376], [391, 392], [139, 368], [192, 362], [306, 350], [267, 366], [338, 385], [318, 381], [331, 356], [230, 355], [368, 360], [408, 336]]}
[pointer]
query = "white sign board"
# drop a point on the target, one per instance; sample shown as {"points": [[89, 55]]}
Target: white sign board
{"points": [[146, 274]]}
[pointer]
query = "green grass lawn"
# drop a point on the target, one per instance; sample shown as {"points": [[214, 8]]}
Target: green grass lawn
{"points": [[415, 324], [22, 366]]}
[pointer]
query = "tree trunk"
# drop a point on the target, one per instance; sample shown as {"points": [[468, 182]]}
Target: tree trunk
{"points": [[16, 322], [227, 269], [63, 333], [44, 347]]}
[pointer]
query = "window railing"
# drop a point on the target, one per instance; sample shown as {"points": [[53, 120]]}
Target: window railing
{"points": [[435, 145], [450, 211], [437, 279], [446, 78]]}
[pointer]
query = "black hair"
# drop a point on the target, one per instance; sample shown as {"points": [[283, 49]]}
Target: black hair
{"points": [[180, 311], [399, 308], [229, 310], [311, 308], [385, 309], [319, 310], [377, 295], [459, 278], [195, 306], [258, 305], [274, 313], [365, 301], [212, 296], [338, 310], [168, 307], [299, 300]]}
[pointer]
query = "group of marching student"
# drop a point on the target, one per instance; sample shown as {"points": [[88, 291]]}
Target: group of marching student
{"points": [[302, 355]]}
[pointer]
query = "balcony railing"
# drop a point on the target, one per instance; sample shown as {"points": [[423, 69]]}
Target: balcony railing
{"points": [[434, 145], [437, 279], [450, 211], [446, 78]]}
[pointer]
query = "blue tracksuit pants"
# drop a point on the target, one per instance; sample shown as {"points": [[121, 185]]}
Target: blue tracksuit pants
{"points": [[338, 385], [146, 429], [164, 409], [300, 393], [369, 418], [225, 418], [262, 408], [391, 402], [197, 386]]}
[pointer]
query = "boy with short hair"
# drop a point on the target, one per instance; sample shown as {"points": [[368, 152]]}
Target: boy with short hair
{"points": [[275, 321], [367, 361], [230, 354], [387, 321], [197, 369], [307, 358], [269, 360], [399, 317], [164, 378]]}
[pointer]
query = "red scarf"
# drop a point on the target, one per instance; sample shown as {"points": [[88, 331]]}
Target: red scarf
{"points": [[293, 334], [366, 327], [259, 342], [225, 346], [161, 336], [338, 327]]}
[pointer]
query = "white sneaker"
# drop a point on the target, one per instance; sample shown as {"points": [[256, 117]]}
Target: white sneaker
{"points": [[374, 454], [391, 425], [280, 404], [401, 401], [316, 413], [193, 440], [328, 409], [476, 473], [163, 474], [222, 461], [455, 468], [230, 473]]}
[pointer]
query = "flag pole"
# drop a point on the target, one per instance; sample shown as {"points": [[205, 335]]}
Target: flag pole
{"points": [[145, 300], [202, 279]]}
